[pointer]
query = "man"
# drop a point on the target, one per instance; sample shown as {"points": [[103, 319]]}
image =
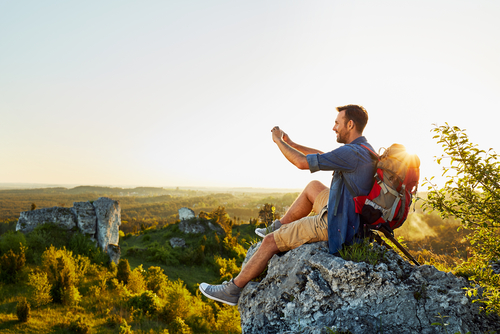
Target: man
{"points": [[335, 219]]}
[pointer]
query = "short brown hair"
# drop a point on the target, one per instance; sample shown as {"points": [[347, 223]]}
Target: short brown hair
{"points": [[355, 113]]}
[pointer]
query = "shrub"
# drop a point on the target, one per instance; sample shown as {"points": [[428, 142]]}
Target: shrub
{"points": [[178, 326], [471, 194], [70, 296], [136, 283], [23, 310], [228, 320], [10, 264], [123, 271], [148, 303], [227, 268], [161, 253], [81, 244], [63, 272], [79, 326], [12, 240], [40, 289], [44, 236], [156, 281]]}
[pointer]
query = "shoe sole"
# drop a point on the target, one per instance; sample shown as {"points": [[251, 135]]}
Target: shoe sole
{"points": [[260, 234], [215, 298]]}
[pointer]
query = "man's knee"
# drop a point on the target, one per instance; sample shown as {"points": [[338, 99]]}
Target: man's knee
{"points": [[269, 244], [313, 189]]}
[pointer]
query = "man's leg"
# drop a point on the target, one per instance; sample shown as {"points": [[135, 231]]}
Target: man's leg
{"points": [[229, 292], [258, 262], [304, 203], [301, 207], [290, 236]]}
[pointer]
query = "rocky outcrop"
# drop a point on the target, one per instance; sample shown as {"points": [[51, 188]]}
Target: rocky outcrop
{"points": [[307, 290], [114, 252], [190, 224], [108, 213], [177, 242], [186, 214], [100, 219], [62, 217], [86, 219]]}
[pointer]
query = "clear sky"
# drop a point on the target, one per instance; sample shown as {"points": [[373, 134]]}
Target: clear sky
{"points": [[185, 93]]}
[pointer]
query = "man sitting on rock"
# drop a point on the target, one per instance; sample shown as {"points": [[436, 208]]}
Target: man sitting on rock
{"points": [[335, 218]]}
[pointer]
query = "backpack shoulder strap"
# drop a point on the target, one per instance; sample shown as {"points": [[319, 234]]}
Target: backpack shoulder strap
{"points": [[349, 188]]}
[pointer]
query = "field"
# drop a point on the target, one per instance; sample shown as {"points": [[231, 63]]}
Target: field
{"points": [[71, 287]]}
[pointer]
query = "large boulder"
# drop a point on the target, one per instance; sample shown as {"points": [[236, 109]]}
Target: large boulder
{"points": [[62, 217], [108, 213], [191, 226], [114, 253], [186, 214], [86, 219], [307, 290]]}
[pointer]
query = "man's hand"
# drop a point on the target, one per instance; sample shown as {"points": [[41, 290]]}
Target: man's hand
{"points": [[279, 134]]}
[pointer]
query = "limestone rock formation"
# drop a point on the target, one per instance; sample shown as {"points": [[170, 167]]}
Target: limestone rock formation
{"points": [[114, 253], [100, 219], [191, 226], [85, 217], [186, 214], [108, 213], [177, 242], [62, 217], [307, 290]]}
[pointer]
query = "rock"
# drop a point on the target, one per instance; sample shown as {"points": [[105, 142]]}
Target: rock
{"points": [[217, 228], [191, 226], [114, 253], [86, 219], [307, 290], [186, 214], [62, 217], [177, 242], [108, 213]]}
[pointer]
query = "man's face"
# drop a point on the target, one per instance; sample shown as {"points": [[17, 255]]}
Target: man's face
{"points": [[341, 128]]}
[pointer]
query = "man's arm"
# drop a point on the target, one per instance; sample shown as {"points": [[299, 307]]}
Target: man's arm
{"points": [[295, 153]]}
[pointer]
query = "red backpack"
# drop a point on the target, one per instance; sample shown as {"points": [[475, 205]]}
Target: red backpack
{"points": [[395, 184]]}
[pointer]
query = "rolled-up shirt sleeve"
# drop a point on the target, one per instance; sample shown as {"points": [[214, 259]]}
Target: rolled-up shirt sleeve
{"points": [[343, 159], [312, 160]]}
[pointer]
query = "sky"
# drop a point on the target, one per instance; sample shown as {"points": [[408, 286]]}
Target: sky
{"points": [[185, 93]]}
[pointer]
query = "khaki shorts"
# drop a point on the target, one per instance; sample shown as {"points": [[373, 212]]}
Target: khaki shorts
{"points": [[305, 230]]}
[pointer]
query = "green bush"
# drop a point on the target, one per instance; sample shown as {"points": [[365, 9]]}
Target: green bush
{"points": [[79, 326], [156, 280], [123, 271], [39, 289], [12, 240], [70, 296], [23, 310], [471, 195], [136, 283], [162, 253], [147, 302], [81, 244], [63, 272], [10, 264]]}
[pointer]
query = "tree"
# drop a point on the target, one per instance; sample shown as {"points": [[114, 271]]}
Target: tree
{"points": [[472, 195], [267, 214]]}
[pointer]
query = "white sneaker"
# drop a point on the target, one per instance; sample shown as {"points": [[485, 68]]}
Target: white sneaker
{"points": [[262, 232]]}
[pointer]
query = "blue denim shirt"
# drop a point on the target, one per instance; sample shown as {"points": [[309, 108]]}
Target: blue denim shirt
{"points": [[357, 166]]}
